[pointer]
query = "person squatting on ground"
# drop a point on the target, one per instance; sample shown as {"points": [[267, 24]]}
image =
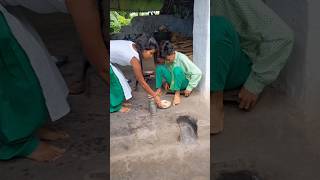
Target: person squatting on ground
{"points": [[250, 45], [177, 74]]}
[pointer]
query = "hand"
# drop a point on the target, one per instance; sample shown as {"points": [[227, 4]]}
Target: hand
{"points": [[247, 99], [157, 100], [187, 93], [166, 86], [158, 92]]}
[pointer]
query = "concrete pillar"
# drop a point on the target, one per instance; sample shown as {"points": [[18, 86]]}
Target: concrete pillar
{"points": [[301, 77], [201, 44], [312, 99], [292, 78]]}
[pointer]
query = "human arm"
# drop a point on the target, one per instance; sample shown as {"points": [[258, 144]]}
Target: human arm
{"points": [[139, 76], [86, 18], [192, 71]]}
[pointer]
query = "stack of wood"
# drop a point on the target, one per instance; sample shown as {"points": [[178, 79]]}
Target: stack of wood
{"points": [[182, 44]]}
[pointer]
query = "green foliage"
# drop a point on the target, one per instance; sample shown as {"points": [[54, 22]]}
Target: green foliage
{"points": [[114, 23], [118, 19], [123, 21]]}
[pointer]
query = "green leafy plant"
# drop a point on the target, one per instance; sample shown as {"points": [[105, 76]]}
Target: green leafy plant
{"points": [[118, 19]]}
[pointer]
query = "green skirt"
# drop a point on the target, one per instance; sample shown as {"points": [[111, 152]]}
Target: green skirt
{"points": [[22, 105], [229, 66], [176, 79], [116, 92]]}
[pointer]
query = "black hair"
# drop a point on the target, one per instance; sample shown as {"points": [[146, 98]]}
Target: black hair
{"points": [[146, 42], [166, 49]]}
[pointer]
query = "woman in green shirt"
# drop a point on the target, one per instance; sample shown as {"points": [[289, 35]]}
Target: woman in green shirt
{"points": [[250, 45], [178, 72]]}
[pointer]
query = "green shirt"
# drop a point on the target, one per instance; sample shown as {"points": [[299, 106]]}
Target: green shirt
{"points": [[264, 37], [192, 72]]}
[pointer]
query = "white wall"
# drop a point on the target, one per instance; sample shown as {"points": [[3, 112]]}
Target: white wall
{"points": [[313, 63], [201, 43], [292, 79], [301, 77]]}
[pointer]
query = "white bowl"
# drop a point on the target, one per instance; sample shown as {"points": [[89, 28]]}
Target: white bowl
{"points": [[165, 104]]}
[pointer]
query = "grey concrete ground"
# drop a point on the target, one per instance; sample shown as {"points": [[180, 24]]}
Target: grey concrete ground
{"points": [[86, 156], [147, 147], [271, 140]]}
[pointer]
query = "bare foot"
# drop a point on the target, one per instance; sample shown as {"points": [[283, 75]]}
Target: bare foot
{"points": [[217, 113], [176, 98], [126, 104], [46, 153], [51, 135], [124, 109]]}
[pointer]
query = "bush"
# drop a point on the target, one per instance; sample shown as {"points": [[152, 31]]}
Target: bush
{"points": [[117, 20]]}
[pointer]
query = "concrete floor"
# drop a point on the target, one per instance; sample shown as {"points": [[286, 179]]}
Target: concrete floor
{"points": [[86, 156], [147, 147], [271, 140]]}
